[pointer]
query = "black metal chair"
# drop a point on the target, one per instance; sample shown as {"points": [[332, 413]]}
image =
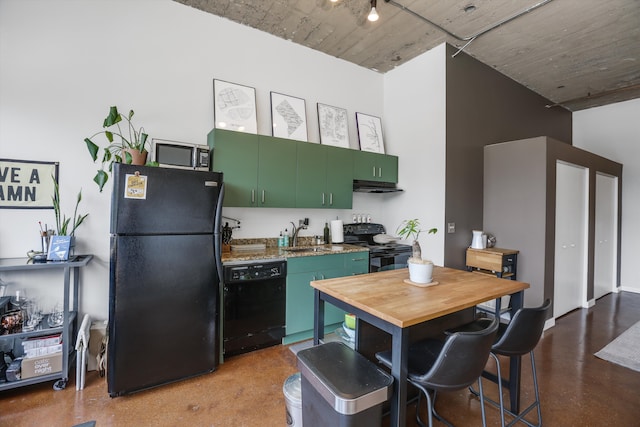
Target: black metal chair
{"points": [[451, 365], [517, 338]]}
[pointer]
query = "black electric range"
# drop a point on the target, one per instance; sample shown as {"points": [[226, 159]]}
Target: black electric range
{"points": [[387, 256]]}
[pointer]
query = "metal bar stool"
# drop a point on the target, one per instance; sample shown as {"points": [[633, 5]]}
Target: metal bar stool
{"points": [[451, 365], [517, 338]]}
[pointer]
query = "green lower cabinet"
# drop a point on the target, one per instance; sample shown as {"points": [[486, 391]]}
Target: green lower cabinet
{"points": [[303, 270]]}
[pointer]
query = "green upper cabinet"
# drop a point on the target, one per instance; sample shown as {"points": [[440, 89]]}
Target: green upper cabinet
{"points": [[265, 171], [324, 177], [258, 171], [375, 167], [236, 155], [276, 173]]}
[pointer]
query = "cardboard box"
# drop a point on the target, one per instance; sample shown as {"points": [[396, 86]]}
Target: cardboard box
{"points": [[97, 333], [44, 365]]}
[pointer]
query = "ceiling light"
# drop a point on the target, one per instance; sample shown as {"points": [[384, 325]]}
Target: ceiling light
{"points": [[373, 14]]}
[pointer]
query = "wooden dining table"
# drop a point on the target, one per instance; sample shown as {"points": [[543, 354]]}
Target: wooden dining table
{"points": [[388, 301]]}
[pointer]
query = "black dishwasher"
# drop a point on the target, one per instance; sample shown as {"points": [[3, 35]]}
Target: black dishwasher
{"points": [[254, 306]]}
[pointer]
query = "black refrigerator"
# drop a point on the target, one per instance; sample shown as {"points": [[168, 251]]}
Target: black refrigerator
{"points": [[165, 274]]}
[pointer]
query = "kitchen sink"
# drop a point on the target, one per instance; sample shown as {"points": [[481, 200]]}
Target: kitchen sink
{"points": [[307, 249]]}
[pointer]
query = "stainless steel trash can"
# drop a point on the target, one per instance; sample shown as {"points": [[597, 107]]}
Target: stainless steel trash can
{"points": [[341, 388], [292, 390]]}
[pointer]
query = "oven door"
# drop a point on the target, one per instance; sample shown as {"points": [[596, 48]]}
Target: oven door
{"points": [[381, 262]]}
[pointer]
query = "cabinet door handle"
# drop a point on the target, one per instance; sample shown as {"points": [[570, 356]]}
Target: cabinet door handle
{"points": [[331, 199], [374, 171], [253, 196], [263, 197], [380, 172], [357, 259], [322, 199]]}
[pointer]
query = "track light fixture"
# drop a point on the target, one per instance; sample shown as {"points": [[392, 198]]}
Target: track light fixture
{"points": [[373, 14]]}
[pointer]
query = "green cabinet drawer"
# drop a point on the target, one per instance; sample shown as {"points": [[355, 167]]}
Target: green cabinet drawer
{"points": [[356, 263]]}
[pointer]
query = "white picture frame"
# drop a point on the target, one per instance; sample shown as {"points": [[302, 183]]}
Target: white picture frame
{"points": [[234, 107], [334, 126], [370, 133], [288, 117]]}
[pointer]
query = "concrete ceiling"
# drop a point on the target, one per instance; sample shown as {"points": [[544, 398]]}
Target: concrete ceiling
{"points": [[576, 53]]}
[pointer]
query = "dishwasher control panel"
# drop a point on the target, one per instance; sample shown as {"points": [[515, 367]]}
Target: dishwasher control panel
{"points": [[255, 271]]}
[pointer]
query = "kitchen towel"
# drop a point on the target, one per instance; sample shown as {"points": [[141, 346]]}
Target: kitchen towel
{"points": [[337, 232]]}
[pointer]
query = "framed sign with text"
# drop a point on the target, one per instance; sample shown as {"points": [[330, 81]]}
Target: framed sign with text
{"points": [[27, 184]]}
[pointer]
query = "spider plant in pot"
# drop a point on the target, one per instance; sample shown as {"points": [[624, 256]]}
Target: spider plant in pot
{"points": [[420, 270], [123, 147]]}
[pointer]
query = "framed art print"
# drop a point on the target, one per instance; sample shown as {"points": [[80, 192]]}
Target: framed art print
{"points": [[370, 133], [27, 184], [234, 107], [334, 129], [288, 117]]}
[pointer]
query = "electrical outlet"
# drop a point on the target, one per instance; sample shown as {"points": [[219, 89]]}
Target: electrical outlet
{"points": [[451, 227]]}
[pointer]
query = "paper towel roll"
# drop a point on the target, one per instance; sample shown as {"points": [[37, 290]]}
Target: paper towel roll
{"points": [[337, 232]]}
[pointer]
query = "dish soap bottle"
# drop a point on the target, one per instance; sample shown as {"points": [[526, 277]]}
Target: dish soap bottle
{"points": [[326, 232], [286, 238]]}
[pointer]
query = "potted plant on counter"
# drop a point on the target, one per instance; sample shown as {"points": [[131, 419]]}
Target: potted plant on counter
{"points": [[131, 148], [420, 270]]}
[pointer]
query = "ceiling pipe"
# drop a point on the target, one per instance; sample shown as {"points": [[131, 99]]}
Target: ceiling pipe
{"points": [[472, 37]]}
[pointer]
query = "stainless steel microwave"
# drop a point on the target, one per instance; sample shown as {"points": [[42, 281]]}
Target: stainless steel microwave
{"points": [[181, 155]]}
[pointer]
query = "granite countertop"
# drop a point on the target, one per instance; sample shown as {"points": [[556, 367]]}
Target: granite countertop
{"points": [[275, 252]]}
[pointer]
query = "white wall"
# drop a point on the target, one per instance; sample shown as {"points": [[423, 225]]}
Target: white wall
{"points": [[613, 131], [64, 62], [415, 105]]}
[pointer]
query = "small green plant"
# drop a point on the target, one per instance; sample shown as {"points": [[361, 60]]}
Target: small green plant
{"points": [[62, 222], [135, 139], [410, 229]]}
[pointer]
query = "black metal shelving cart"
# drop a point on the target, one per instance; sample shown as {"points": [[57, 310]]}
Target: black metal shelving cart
{"points": [[68, 329]]}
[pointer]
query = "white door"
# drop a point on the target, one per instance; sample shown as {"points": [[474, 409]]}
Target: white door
{"points": [[606, 247], [571, 237]]}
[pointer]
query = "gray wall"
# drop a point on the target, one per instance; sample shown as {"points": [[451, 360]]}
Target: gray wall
{"points": [[484, 107], [520, 206]]}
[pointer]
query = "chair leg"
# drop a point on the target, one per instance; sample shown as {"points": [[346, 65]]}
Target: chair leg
{"points": [[499, 372], [500, 405], [536, 404], [484, 418], [435, 413], [418, 420]]}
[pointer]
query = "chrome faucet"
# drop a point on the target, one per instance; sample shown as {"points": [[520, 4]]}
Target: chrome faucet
{"points": [[302, 226]]}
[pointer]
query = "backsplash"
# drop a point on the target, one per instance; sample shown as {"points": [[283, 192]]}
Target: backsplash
{"points": [[273, 242]]}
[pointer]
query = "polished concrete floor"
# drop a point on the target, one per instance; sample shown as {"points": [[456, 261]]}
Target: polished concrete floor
{"points": [[577, 389]]}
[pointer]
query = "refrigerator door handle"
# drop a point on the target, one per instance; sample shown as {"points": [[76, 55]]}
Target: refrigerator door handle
{"points": [[217, 235]]}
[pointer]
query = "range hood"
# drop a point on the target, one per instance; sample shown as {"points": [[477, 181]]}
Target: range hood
{"points": [[362, 186]]}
